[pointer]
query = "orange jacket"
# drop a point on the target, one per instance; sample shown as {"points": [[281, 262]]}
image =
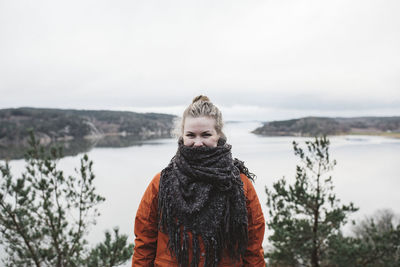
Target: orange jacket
{"points": [[151, 245]]}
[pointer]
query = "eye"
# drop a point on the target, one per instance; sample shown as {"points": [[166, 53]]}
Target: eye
{"points": [[189, 135], [207, 134]]}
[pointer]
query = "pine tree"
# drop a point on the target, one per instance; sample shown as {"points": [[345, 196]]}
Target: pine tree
{"points": [[110, 253], [44, 215], [306, 214], [375, 243]]}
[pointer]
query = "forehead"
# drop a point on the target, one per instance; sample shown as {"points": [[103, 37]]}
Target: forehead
{"points": [[199, 124]]}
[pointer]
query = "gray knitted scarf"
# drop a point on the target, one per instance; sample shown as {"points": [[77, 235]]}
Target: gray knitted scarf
{"points": [[201, 192]]}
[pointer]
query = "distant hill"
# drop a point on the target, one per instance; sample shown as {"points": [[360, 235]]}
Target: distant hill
{"points": [[64, 125], [315, 126]]}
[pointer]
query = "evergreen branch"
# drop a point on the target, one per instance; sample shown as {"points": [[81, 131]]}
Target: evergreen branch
{"points": [[22, 234]]}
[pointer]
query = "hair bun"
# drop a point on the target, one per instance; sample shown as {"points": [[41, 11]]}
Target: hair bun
{"points": [[201, 98]]}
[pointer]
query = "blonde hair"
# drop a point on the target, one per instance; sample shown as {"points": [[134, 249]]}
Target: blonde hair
{"points": [[201, 106]]}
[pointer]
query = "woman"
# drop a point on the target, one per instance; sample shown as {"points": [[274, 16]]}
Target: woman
{"points": [[202, 209]]}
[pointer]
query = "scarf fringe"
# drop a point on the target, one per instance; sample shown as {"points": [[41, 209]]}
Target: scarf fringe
{"points": [[219, 218]]}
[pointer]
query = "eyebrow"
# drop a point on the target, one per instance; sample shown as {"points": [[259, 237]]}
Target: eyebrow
{"points": [[208, 131]]}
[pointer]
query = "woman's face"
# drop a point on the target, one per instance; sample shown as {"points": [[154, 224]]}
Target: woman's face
{"points": [[199, 132]]}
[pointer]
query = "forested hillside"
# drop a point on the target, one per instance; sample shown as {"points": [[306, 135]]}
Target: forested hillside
{"points": [[312, 126], [50, 125]]}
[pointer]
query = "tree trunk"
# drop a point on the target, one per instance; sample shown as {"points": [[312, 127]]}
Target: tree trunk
{"points": [[314, 253]]}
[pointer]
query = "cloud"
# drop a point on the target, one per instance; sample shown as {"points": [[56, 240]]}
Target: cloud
{"points": [[283, 55]]}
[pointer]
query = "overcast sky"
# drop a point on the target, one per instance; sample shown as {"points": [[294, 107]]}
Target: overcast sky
{"points": [[255, 59]]}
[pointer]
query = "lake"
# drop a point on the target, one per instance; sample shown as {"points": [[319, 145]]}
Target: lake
{"points": [[367, 171]]}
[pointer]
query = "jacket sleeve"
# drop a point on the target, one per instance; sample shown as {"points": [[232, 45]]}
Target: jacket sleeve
{"points": [[254, 255], [146, 227]]}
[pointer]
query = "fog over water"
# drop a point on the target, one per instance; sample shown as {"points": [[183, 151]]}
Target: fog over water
{"points": [[367, 172]]}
